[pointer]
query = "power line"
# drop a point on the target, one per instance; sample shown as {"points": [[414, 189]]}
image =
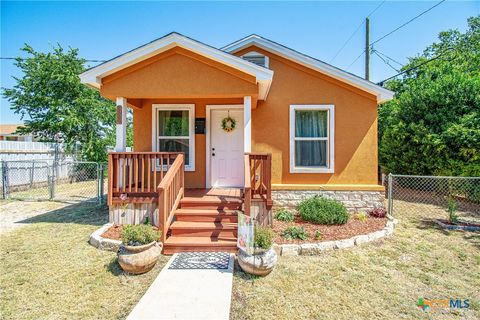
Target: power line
{"points": [[409, 21], [23, 59], [396, 29], [355, 32], [389, 58], [417, 66], [351, 64], [385, 61]]}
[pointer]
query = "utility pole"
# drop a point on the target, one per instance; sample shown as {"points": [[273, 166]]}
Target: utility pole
{"points": [[367, 48]]}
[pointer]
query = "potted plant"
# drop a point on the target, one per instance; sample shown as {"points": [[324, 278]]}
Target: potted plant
{"points": [[140, 250], [264, 258]]}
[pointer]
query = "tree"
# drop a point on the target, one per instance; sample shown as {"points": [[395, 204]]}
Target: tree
{"points": [[51, 99], [432, 126]]}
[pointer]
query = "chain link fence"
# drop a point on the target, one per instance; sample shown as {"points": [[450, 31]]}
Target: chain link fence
{"points": [[71, 181], [431, 196]]}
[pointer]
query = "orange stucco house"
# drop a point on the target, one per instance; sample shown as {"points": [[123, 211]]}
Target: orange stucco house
{"points": [[251, 124]]}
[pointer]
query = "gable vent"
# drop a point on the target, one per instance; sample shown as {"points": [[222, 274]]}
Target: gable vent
{"points": [[256, 58]]}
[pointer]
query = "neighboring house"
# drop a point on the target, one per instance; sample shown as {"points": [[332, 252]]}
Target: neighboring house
{"points": [[308, 127], [7, 133]]}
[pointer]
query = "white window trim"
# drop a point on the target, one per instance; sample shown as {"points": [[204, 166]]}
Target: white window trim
{"points": [[330, 143], [191, 124]]}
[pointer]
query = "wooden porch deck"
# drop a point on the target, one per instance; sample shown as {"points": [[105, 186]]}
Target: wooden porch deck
{"points": [[190, 219]]}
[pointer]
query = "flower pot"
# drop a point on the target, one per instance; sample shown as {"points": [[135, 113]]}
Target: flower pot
{"points": [[139, 259], [260, 263]]}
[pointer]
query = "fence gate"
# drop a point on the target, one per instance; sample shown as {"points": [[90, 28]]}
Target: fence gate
{"points": [[430, 196]]}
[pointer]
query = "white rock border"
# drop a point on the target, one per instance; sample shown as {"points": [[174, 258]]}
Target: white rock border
{"points": [[101, 243], [287, 250]]}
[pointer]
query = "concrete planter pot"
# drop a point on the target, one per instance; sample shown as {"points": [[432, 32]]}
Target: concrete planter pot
{"points": [[139, 259], [260, 263]]}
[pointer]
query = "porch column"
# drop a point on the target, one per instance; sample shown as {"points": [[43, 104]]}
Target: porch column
{"points": [[121, 132], [247, 119]]}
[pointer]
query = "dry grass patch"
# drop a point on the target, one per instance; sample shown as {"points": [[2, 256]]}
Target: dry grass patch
{"points": [[49, 271], [381, 280]]}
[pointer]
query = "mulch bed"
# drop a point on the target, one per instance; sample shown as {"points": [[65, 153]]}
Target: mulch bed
{"points": [[353, 227], [115, 231]]}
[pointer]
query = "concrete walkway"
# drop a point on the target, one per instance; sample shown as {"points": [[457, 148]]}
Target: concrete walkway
{"points": [[187, 294]]}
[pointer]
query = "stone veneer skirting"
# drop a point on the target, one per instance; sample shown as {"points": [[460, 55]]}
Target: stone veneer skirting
{"points": [[358, 201]]}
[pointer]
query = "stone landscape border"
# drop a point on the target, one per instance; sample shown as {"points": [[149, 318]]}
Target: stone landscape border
{"points": [[319, 247], [102, 243]]}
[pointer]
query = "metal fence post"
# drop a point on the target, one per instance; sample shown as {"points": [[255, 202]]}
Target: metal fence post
{"points": [[390, 195], [5, 180], [100, 182], [51, 181], [32, 173]]}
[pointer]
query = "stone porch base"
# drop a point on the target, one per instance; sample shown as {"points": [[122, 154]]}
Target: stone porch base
{"points": [[357, 201]]}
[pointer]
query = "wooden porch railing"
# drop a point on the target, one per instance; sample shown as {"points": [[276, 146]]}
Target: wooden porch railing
{"points": [[258, 179], [137, 174], [170, 192]]}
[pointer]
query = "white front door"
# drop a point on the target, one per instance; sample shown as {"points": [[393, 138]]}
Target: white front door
{"points": [[226, 149]]}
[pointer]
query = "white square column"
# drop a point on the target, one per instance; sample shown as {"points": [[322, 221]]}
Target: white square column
{"points": [[121, 130], [247, 120]]}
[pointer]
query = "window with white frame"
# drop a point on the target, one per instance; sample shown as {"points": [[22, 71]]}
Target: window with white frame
{"points": [[173, 127], [311, 138]]}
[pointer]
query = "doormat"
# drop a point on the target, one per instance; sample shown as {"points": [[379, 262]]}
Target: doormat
{"points": [[201, 260]]}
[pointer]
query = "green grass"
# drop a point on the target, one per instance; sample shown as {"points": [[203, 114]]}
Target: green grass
{"points": [[49, 271], [380, 280]]}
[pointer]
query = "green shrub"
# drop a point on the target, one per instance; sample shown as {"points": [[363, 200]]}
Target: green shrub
{"points": [[263, 237], [292, 233], [318, 235], [284, 215], [136, 235], [323, 211]]}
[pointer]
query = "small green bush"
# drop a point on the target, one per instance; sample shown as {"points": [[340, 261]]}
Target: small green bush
{"points": [[136, 235], [323, 211], [318, 235], [263, 237], [292, 233], [284, 215], [452, 207]]}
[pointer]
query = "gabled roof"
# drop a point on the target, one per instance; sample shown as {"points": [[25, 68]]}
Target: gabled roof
{"points": [[381, 93], [93, 77]]}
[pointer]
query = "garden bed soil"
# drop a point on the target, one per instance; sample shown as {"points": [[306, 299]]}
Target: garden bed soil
{"points": [[353, 227], [115, 232]]}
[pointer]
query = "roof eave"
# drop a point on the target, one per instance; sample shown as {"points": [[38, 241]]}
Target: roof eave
{"points": [[381, 93], [93, 77]]}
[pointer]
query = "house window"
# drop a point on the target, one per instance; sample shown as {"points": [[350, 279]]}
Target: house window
{"points": [[311, 138], [174, 131]]}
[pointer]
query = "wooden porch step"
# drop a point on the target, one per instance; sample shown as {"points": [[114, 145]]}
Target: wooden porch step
{"points": [[211, 202], [206, 215], [199, 244], [226, 230]]}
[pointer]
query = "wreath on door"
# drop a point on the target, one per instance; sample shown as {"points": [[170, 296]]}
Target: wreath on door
{"points": [[228, 124]]}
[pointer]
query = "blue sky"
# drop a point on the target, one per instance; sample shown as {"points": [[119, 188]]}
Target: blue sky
{"points": [[102, 30]]}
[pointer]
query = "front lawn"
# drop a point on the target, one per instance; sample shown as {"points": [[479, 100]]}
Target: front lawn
{"points": [[48, 270], [381, 280]]}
